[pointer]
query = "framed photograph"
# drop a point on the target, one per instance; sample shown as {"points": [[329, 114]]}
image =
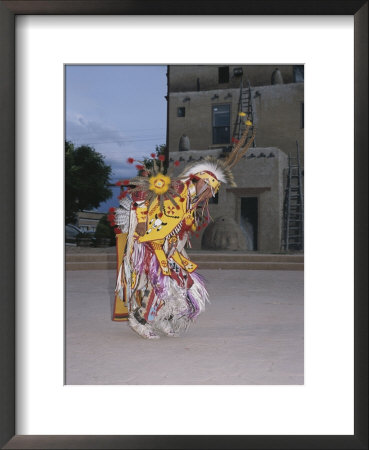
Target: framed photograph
{"points": [[241, 247], [37, 41]]}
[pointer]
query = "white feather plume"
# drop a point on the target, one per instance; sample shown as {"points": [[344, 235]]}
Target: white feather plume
{"points": [[211, 164], [204, 166]]}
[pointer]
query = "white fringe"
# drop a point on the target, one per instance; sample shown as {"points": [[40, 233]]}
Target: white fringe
{"points": [[122, 214], [144, 331], [174, 308], [119, 285], [199, 292]]}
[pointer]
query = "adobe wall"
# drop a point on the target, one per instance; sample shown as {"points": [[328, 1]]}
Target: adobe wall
{"points": [[184, 78], [277, 116], [259, 176]]}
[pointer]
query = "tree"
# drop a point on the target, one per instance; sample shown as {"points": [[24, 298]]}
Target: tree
{"points": [[87, 178], [159, 150], [105, 230]]}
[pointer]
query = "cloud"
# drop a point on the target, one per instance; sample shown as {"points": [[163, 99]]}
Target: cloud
{"points": [[83, 131], [115, 145]]}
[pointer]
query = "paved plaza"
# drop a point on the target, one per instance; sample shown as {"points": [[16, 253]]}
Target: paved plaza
{"points": [[252, 333]]}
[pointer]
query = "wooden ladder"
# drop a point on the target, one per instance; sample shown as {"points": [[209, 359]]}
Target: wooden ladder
{"points": [[244, 106], [293, 211]]}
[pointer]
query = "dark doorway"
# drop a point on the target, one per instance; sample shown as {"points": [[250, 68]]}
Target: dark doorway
{"points": [[249, 221]]}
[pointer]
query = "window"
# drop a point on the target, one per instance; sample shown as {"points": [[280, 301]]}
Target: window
{"points": [[223, 74], [221, 124], [181, 112], [302, 115], [298, 74]]}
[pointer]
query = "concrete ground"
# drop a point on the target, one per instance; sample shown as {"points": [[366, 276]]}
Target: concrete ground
{"points": [[251, 333]]}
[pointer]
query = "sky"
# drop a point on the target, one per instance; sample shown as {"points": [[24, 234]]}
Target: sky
{"points": [[118, 110]]}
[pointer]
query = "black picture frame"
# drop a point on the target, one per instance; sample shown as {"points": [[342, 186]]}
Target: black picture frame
{"points": [[8, 11]]}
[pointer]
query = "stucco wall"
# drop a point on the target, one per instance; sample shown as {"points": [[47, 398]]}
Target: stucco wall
{"points": [[197, 123], [261, 177], [277, 116], [185, 78]]}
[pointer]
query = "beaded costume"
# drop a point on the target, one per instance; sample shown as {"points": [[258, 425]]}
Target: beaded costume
{"points": [[156, 281]]}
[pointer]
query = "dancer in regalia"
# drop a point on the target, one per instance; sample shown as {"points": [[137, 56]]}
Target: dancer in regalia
{"points": [[158, 213]]}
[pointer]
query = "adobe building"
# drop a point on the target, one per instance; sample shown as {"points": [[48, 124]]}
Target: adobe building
{"points": [[88, 220], [203, 116]]}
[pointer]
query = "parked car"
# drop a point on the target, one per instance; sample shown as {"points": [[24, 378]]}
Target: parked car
{"points": [[71, 233], [74, 235], [86, 239]]}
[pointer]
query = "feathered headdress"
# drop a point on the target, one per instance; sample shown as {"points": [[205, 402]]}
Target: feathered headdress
{"points": [[154, 184], [214, 170]]}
